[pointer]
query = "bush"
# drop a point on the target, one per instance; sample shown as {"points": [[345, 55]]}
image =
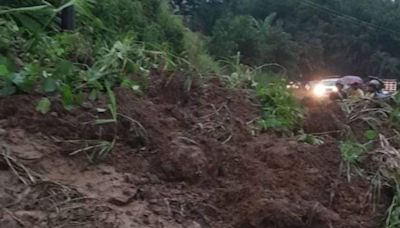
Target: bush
{"points": [[281, 111], [115, 42]]}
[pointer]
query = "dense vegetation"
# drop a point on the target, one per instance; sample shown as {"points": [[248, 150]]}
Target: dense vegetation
{"points": [[307, 37], [116, 43]]}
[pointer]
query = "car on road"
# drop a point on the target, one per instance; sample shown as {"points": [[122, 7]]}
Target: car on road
{"points": [[323, 88]]}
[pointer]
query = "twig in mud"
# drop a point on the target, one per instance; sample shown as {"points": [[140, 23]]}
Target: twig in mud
{"points": [[14, 217], [135, 122], [227, 108], [227, 140], [252, 121], [86, 149], [311, 214], [71, 208], [168, 206], [216, 111], [188, 140], [17, 167], [70, 201], [327, 132]]}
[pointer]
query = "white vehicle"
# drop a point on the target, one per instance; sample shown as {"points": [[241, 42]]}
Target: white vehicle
{"points": [[325, 87]]}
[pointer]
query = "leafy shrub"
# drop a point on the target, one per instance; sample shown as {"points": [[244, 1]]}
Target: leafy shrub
{"points": [[116, 43], [281, 111], [351, 151]]}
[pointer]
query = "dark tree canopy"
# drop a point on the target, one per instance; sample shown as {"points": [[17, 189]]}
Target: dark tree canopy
{"points": [[308, 37]]}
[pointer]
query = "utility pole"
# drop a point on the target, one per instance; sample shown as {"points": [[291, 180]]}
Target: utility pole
{"points": [[68, 19]]}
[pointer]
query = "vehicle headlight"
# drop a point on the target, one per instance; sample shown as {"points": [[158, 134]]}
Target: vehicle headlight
{"points": [[335, 89], [319, 90]]}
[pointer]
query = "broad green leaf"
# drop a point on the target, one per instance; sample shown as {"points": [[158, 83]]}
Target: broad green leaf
{"points": [[49, 85], [64, 68], [8, 89], [136, 88], [43, 106], [78, 98], [370, 135], [3, 70], [7, 63], [23, 81], [112, 101], [67, 96], [32, 69], [18, 78], [94, 75], [29, 22], [94, 95], [397, 98], [126, 83]]}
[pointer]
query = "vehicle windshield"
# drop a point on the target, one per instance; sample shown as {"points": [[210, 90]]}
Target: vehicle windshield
{"points": [[328, 82]]}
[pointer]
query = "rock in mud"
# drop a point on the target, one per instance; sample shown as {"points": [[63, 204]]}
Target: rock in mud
{"points": [[122, 199], [183, 162]]}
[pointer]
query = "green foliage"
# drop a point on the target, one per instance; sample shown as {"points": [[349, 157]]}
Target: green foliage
{"points": [[112, 108], [393, 213], [101, 151], [258, 41], [313, 37], [370, 135], [200, 61], [116, 43], [309, 138], [239, 75], [43, 106], [281, 111], [351, 153], [150, 23], [96, 150]]}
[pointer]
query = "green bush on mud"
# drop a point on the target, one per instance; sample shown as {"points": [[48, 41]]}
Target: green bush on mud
{"points": [[281, 111], [116, 42]]}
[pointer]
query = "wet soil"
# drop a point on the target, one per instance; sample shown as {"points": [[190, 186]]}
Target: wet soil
{"points": [[182, 158]]}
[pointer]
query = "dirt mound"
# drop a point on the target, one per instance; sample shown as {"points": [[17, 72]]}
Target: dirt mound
{"points": [[324, 117], [181, 159]]}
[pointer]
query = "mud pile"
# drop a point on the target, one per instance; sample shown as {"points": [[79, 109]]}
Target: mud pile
{"points": [[181, 159]]}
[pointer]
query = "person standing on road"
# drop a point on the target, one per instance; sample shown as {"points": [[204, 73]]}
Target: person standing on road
{"points": [[374, 89], [340, 94], [355, 91]]}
